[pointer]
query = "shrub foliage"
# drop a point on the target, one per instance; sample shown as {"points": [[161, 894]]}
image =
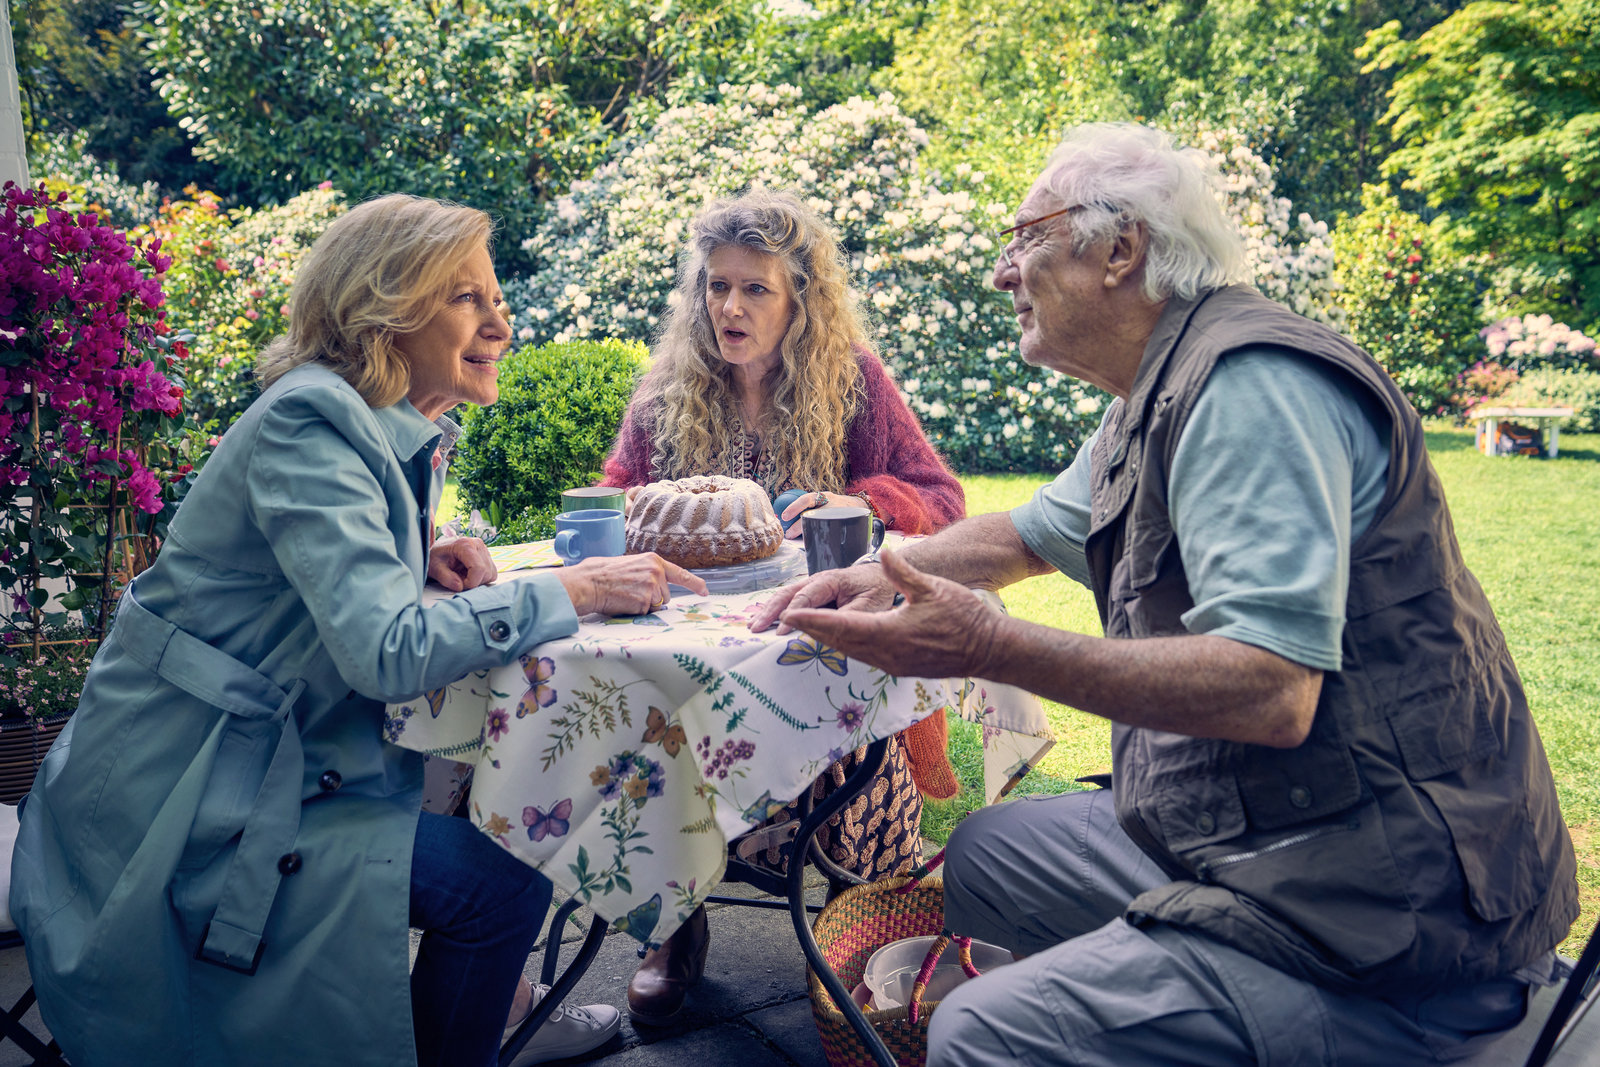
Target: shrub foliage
{"points": [[559, 409]]}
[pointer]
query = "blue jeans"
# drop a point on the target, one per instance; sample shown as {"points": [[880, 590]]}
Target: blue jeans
{"points": [[480, 910]]}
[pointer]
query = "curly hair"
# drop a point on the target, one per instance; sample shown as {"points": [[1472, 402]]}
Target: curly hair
{"points": [[379, 271], [812, 393]]}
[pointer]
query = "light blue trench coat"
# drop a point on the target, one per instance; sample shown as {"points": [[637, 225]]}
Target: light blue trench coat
{"points": [[178, 836]]}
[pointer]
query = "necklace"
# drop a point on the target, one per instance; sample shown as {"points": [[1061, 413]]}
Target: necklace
{"points": [[751, 460]]}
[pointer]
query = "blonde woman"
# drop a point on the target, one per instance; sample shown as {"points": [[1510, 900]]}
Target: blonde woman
{"points": [[221, 856], [762, 371]]}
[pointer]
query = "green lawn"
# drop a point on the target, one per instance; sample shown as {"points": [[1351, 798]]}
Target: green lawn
{"points": [[1530, 531]]}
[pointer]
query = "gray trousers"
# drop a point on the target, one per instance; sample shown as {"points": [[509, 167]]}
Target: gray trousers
{"points": [[1050, 877]]}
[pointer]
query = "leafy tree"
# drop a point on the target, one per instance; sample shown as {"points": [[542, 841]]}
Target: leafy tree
{"points": [[81, 71], [487, 102], [995, 83], [1497, 112]]}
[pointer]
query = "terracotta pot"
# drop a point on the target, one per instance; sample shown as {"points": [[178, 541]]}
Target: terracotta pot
{"points": [[23, 743]]}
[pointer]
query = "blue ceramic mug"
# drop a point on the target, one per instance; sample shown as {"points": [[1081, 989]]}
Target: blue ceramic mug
{"points": [[582, 535]]}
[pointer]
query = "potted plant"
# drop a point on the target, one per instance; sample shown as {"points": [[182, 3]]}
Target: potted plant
{"points": [[91, 434]]}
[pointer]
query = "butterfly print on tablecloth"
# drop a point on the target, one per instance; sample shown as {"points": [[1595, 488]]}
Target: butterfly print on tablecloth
{"points": [[658, 728], [803, 650], [541, 825]]}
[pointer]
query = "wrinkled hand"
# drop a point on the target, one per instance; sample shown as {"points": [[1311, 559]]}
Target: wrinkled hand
{"points": [[627, 497], [942, 630], [459, 563], [624, 585], [862, 588]]}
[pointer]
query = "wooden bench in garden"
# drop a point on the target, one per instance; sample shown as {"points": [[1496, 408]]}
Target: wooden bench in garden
{"points": [[1546, 420]]}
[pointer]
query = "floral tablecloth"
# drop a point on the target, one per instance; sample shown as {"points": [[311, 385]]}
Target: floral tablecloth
{"points": [[621, 760]]}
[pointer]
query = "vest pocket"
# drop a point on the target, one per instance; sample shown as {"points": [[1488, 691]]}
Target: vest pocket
{"points": [[1335, 881], [1466, 764]]}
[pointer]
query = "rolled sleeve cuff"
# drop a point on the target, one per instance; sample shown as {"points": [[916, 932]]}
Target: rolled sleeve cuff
{"points": [[1310, 639], [1048, 540]]}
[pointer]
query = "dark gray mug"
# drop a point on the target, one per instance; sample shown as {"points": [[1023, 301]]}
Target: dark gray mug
{"points": [[837, 537]]}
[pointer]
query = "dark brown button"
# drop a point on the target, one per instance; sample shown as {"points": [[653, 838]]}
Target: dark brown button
{"points": [[498, 630], [288, 863], [330, 781]]}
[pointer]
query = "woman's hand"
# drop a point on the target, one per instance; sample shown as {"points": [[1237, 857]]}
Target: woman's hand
{"points": [[812, 501], [459, 563], [624, 585]]}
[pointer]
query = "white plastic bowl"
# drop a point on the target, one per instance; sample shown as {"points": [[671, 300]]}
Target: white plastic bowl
{"points": [[892, 970]]}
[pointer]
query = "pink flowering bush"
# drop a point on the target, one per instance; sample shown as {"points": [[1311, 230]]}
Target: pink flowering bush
{"points": [[91, 404], [1528, 341]]}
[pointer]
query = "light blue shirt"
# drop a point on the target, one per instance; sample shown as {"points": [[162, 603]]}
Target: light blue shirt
{"points": [[1282, 463]]}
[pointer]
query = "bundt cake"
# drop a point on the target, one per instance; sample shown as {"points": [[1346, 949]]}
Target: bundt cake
{"points": [[704, 521]]}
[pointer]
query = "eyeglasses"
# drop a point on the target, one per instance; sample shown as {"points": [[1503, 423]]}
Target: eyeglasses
{"points": [[1005, 251]]}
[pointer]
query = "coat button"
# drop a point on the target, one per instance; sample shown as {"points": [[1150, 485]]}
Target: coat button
{"points": [[498, 630], [330, 781], [1300, 796], [1205, 823], [288, 863]]}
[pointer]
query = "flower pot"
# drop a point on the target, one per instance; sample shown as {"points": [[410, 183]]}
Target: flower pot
{"points": [[23, 743]]}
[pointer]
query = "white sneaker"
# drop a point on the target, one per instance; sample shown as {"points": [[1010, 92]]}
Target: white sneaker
{"points": [[570, 1031]]}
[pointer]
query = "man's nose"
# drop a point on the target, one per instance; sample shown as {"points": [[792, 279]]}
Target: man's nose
{"points": [[1005, 276]]}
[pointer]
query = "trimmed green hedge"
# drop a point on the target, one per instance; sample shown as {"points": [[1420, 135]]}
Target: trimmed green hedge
{"points": [[559, 409]]}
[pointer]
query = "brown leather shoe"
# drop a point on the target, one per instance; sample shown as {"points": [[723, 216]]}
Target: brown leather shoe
{"points": [[666, 974]]}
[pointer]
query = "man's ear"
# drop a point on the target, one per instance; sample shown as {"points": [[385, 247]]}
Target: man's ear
{"points": [[1125, 260]]}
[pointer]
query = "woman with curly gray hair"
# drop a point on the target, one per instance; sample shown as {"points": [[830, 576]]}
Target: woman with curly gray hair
{"points": [[762, 371]]}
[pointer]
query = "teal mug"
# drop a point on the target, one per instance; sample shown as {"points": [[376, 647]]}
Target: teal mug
{"points": [[586, 497], [582, 535]]}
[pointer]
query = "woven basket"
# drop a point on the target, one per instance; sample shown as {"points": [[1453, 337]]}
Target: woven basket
{"points": [[849, 930], [23, 745]]}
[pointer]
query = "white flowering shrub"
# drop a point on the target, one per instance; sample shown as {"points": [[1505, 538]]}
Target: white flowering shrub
{"points": [[1289, 256], [62, 163], [921, 245]]}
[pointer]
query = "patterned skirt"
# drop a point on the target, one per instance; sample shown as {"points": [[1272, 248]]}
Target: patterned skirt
{"points": [[878, 834]]}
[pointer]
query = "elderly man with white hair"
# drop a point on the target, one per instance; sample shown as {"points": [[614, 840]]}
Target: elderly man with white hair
{"points": [[1331, 833]]}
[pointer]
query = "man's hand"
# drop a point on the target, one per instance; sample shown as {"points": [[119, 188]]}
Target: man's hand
{"points": [[861, 588], [942, 630], [459, 563], [624, 585]]}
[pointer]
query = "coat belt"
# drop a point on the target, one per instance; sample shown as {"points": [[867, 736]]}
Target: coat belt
{"points": [[233, 937]]}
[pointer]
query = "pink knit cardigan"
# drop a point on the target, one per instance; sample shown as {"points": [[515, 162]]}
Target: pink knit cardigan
{"points": [[889, 458]]}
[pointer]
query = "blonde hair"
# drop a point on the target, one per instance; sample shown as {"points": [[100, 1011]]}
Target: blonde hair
{"points": [[812, 393], [378, 271]]}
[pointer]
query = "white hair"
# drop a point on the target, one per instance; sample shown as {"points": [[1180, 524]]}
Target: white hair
{"points": [[1123, 173]]}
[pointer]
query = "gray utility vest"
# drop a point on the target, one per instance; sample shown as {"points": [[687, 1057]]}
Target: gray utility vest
{"points": [[1414, 840]]}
